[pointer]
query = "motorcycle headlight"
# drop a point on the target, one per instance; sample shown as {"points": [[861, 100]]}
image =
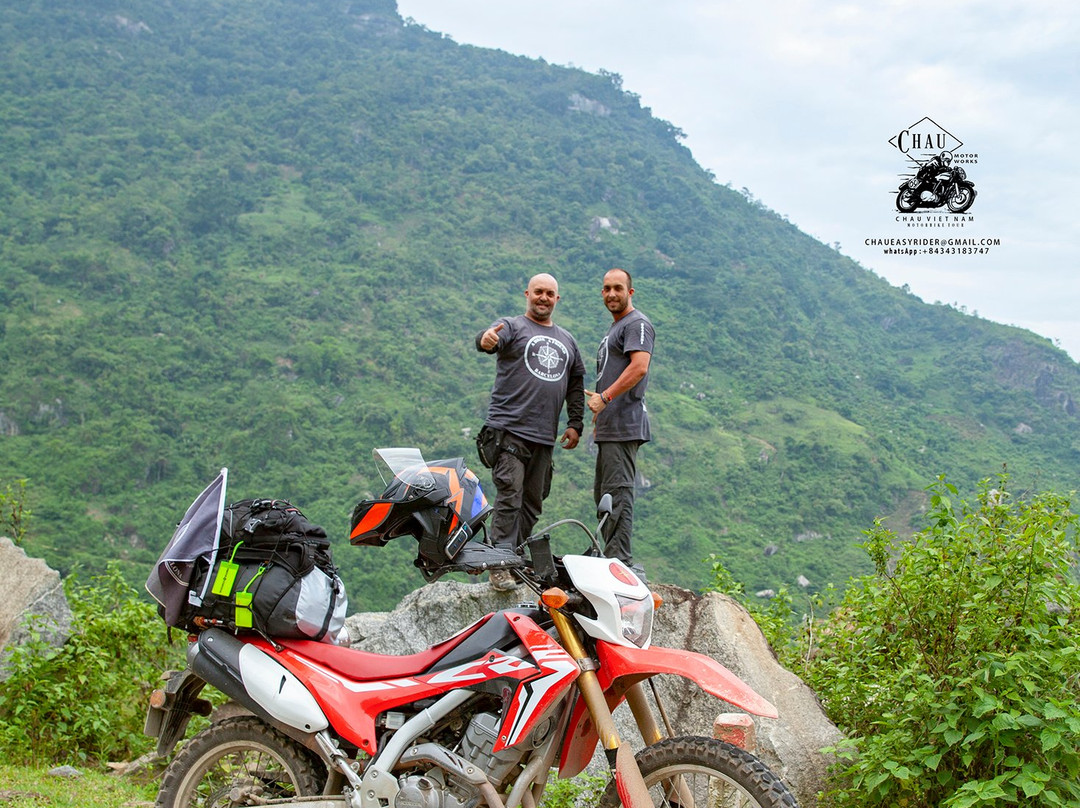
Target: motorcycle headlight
{"points": [[913, 183], [637, 619]]}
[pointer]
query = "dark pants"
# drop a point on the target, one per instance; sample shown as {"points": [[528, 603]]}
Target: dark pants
{"points": [[522, 477], [616, 468]]}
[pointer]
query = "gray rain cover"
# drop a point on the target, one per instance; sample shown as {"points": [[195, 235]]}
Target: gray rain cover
{"points": [[198, 534]]}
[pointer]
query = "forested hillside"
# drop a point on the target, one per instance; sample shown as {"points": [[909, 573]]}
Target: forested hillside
{"points": [[263, 234]]}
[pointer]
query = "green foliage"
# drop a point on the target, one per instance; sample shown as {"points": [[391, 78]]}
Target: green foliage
{"points": [[585, 789], [85, 702], [14, 515], [263, 235], [789, 633], [954, 668]]}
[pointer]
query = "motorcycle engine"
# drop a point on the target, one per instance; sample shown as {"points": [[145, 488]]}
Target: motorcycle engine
{"points": [[479, 741], [431, 791], [928, 196], [477, 745], [418, 791]]}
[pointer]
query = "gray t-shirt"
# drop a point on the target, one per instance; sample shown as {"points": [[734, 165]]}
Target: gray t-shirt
{"points": [[625, 418], [538, 368]]}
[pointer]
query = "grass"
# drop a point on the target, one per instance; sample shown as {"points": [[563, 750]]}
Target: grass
{"points": [[26, 787]]}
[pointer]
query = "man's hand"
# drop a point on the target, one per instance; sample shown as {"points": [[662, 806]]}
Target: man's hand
{"points": [[595, 402], [570, 438], [490, 340]]}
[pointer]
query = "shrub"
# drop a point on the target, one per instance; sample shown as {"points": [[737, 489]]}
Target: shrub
{"points": [[954, 668], [14, 515], [86, 701], [789, 634], [583, 790]]}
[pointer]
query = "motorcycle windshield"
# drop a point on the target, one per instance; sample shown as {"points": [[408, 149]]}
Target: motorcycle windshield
{"points": [[411, 477], [398, 463]]}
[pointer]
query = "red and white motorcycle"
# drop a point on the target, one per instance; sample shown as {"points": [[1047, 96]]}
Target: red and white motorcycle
{"points": [[480, 719]]}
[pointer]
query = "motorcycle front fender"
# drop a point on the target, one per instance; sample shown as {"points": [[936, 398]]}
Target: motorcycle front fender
{"points": [[621, 667]]}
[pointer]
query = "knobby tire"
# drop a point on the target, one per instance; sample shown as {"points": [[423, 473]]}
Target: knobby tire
{"points": [[239, 761], [715, 774]]}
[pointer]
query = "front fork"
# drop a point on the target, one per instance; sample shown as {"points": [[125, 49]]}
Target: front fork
{"points": [[628, 780]]}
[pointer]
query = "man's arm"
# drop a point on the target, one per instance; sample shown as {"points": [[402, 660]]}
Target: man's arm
{"points": [[487, 341], [631, 375], [575, 404]]}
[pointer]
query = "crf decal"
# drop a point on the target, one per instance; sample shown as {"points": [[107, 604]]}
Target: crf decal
{"points": [[488, 668], [535, 696]]}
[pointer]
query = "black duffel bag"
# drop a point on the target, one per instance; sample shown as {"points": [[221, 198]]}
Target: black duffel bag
{"points": [[274, 574]]}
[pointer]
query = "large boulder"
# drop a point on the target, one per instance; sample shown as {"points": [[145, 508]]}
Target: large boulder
{"points": [[711, 624], [719, 627], [31, 600]]}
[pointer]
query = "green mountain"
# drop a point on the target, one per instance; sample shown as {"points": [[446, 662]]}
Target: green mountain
{"points": [[263, 236]]}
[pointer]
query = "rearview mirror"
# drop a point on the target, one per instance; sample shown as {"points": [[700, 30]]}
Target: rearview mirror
{"points": [[603, 507]]}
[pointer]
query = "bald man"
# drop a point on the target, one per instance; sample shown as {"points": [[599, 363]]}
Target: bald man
{"points": [[538, 368]]}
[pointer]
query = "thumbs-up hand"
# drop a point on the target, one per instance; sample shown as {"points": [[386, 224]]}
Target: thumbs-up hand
{"points": [[490, 340]]}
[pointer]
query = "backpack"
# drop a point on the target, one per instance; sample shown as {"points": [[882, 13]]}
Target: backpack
{"points": [[274, 574], [264, 522]]}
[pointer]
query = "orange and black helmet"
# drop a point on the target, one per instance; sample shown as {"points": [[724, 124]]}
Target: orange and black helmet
{"points": [[440, 504]]}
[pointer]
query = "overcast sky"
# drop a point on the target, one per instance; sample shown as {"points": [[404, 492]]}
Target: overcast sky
{"points": [[797, 102]]}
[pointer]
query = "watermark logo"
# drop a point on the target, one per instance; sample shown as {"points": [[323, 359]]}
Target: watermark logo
{"points": [[924, 139], [935, 177], [935, 190]]}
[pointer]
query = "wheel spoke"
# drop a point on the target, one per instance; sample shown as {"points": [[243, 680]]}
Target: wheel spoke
{"points": [[696, 772], [238, 762], [700, 788]]}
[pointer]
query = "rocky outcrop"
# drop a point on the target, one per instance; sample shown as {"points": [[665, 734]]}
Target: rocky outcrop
{"points": [[711, 624], [719, 627], [31, 599]]}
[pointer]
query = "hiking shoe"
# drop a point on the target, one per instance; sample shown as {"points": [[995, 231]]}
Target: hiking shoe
{"points": [[502, 581]]}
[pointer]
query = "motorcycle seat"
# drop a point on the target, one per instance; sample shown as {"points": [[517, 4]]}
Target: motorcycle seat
{"points": [[364, 666]]}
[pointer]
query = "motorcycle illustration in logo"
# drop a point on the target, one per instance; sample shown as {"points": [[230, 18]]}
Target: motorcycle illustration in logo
{"points": [[937, 182]]}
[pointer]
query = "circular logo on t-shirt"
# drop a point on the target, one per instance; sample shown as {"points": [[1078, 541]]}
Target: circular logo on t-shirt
{"points": [[601, 358], [546, 358]]}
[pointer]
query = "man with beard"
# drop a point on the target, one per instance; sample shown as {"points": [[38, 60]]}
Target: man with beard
{"points": [[620, 418], [538, 368]]}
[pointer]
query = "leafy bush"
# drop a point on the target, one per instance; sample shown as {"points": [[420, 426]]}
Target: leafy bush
{"points": [[789, 635], [954, 668], [13, 511], [774, 619], [585, 789], [85, 702]]}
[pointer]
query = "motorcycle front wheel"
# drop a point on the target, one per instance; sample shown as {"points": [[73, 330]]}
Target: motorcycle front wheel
{"points": [[700, 772], [961, 199], [906, 200], [239, 761]]}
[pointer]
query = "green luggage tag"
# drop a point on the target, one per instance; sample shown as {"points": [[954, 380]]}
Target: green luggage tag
{"points": [[226, 575], [243, 602]]}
